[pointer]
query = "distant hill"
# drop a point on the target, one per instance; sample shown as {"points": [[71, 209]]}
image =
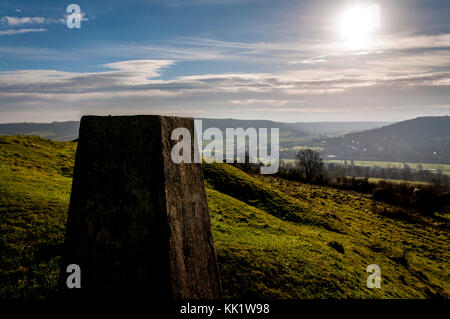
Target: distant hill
{"points": [[59, 131], [286, 129], [337, 128], [424, 139], [289, 132]]}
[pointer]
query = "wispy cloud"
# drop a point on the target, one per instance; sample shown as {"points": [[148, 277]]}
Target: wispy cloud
{"points": [[122, 75], [310, 77], [317, 59], [271, 102], [20, 31], [138, 77], [17, 21], [183, 3], [315, 52]]}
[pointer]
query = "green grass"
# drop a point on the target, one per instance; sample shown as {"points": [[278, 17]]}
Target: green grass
{"points": [[34, 196], [234, 182], [272, 237]]}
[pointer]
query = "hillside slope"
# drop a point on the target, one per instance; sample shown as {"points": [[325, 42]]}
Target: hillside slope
{"points": [[274, 239], [423, 140]]}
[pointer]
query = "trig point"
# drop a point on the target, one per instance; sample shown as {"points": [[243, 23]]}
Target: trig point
{"points": [[138, 223]]}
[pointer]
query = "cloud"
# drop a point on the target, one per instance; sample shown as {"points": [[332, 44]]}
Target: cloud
{"points": [[124, 75], [20, 31], [15, 21], [406, 42], [398, 77], [183, 3], [312, 51], [18, 21], [318, 59], [139, 78], [272, 102], [278, 54], [414, 63], [140, 68]]}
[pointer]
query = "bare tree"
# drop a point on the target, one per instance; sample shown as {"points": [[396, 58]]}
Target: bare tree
{"points": [[310, 163]]}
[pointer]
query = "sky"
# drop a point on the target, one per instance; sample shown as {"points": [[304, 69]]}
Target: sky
{"points": [[284, 60]]}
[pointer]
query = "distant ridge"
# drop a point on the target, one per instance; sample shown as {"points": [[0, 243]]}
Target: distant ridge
{"points": [[59, 131], [423, 140], [65, 131], [337, 128]]}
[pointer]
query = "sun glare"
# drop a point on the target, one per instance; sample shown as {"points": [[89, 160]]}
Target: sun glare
{"points": [[357, 23]]}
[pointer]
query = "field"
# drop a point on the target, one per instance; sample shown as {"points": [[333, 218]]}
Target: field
{"points": [[274, 239], [445, 168], [396, 181], [301, 148]]}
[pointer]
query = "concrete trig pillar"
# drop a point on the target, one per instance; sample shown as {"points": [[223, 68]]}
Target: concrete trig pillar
{"points": [[138, 223]]}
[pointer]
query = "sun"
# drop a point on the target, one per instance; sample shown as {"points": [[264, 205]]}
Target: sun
{"points": [[357, 23]]}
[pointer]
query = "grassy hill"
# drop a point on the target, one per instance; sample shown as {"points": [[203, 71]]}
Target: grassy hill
{"points": [[421, 140], [274, 239]]}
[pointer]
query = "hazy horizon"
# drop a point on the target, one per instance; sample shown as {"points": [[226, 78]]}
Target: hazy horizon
{"points": [[231, 118], [235, 118]]}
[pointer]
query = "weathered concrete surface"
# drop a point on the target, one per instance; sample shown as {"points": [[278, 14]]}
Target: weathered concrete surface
{"points": [[138, 223]]}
